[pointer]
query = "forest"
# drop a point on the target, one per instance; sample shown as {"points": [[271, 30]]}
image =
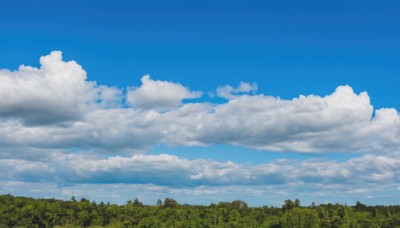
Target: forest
{"points": [[29, 212]]}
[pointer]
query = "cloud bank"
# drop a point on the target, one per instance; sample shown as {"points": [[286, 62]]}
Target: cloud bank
{"points": [[116, 179], [56, 125], [56, 106], [173, 171]]}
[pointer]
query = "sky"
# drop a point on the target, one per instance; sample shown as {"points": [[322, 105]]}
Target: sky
{"points": [[201, 101]]}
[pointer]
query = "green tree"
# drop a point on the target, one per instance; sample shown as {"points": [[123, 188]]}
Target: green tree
{"points": [[168, 202]]}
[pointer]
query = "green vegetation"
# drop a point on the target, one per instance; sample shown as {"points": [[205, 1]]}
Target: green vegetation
{"points": [[29, 212]]}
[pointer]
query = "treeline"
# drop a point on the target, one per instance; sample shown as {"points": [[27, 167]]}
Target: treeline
{"points": [[29, 212]]}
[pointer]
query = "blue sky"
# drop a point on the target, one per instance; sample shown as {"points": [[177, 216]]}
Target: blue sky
{"points": [[223, 97]]}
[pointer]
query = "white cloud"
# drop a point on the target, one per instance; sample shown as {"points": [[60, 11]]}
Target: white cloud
{"points": [[160, 176], [308, 124], [109, 97], [154, 94], [55, 108], [169, 170], [57, 91], [228, 92]]}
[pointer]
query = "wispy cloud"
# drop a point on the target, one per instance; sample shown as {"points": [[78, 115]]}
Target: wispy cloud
{"points": [[228, 92]]}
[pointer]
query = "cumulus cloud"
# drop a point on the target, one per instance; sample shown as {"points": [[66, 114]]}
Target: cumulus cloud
{"points": [[36, 102], [308, 123], [47, 112], [55, 92], [56, 108], [167, 171], [159, 94], [228, 92], [149, 177]]}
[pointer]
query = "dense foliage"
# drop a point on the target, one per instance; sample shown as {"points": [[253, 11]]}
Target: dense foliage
{"points": [[29, 212]]}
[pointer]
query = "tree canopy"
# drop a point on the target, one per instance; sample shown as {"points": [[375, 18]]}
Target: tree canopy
{"points": [[30, 212]]}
